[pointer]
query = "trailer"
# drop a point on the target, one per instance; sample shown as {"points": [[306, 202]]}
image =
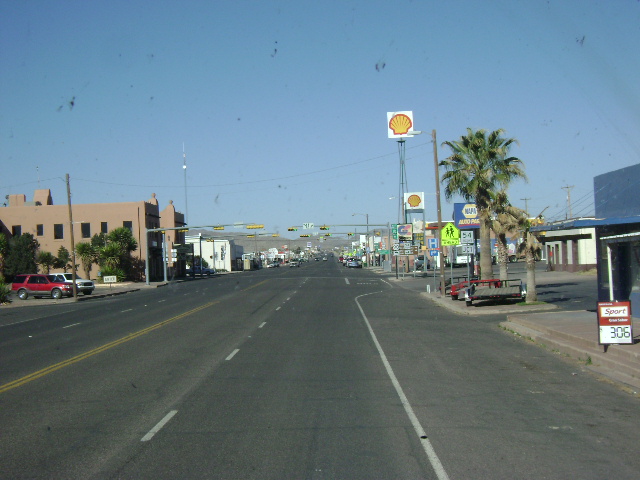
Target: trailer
{"points": [[498, 291]]}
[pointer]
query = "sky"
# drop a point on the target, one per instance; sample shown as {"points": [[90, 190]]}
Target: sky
{"points": [[279, 108]]}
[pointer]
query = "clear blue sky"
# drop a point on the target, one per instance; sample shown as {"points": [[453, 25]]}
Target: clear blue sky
{"points": [[281, 105]]}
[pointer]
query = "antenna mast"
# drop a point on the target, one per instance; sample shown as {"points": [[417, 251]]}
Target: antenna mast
{"points": [[184, 167]]}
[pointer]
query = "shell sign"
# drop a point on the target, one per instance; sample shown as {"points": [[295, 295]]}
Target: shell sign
{"points": [[399, 124], [414, 201]]}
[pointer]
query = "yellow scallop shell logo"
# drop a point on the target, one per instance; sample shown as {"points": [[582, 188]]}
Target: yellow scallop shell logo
{"points": [[413, 200], [400, 124]]}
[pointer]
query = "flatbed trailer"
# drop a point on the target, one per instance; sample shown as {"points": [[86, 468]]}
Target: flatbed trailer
{"points": [[492, 290]]}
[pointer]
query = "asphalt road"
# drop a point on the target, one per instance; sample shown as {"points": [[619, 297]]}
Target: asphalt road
{"points": [[317, 372]]}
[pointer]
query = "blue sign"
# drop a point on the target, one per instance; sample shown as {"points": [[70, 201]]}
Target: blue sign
{"points": [[465, 216], [434, 253], [432, 242]]}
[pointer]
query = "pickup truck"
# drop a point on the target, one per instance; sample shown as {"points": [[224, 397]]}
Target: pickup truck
{"points": [[496, 291]]}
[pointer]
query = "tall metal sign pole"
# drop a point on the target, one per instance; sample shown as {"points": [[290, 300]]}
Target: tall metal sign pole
{"points": [[73, 246], [435, 164]]}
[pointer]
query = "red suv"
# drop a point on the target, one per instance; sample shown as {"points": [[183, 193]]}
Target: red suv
{"points": [[40, 285]]}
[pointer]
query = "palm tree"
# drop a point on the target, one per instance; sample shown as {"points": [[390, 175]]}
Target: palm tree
{"points": [[477, 169], [531, 248], [88, 256], [507, 219]]}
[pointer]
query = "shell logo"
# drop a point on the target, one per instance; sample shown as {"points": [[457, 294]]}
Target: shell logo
{"points": [[400, 124], [414, 200]]}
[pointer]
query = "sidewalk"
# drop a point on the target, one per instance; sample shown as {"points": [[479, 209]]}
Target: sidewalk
{"points": [[573, 334]]}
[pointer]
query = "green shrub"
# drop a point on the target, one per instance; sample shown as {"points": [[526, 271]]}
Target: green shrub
{"points": [[118, 272], [5, 290]]}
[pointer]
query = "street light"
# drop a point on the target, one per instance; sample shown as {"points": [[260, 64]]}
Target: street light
{"points": [[366, 236]]}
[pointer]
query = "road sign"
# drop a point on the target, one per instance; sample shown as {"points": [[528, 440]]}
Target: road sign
{"points": [[466, 236], [307, 226], [469, 249], [434, 253], [450, 235], [394, 231], [614, 323], [110, 279], [432, 243]]}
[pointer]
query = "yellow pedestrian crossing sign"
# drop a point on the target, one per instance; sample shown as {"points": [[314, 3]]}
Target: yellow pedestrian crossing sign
{"points": [[450, 235]]}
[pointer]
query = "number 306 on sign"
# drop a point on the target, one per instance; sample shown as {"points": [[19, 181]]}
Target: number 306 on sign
{"points": [[614, 323]]}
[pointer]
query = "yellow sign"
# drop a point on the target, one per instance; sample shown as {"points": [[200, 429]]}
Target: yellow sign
{"points": [[219, 227], [450, 235]]}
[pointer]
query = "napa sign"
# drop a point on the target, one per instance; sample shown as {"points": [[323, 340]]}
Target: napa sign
{"points": [[465, 216]]}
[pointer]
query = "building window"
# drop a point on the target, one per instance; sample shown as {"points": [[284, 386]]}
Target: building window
{"points": [[16, 230], [86, 230], [128, 224], [58, 231], [40, 230], [103, 227]]}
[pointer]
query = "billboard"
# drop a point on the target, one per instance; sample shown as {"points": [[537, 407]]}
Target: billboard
{"points": [[414, 202], [465, 215]]}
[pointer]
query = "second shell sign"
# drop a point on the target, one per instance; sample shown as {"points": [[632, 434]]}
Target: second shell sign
{"points": [[400, 124]]}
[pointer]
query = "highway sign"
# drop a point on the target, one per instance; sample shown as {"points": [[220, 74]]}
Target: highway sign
{"points": [[307, 226], [469, 249], [433, 243], [466, 236]]}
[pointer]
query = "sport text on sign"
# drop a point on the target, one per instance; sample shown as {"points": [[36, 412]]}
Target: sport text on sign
{"points": [[614, 323]]}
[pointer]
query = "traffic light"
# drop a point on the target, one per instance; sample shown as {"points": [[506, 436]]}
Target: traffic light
{"points": [[327, 234], [292, 229], [219, 227], [255, 226], [305, 235], [349, 234], [324, 227], [250, 236]]}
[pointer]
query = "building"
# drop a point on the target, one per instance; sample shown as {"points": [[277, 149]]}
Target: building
{"points": [[571, 250], [617, 234], [219, 253], [50, 225]]}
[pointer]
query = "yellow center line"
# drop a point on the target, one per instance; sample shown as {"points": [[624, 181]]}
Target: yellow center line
{"points": [[95, 351]]}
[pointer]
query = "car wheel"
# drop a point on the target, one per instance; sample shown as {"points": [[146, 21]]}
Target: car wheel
{"points": [[23, 294], [56, 293], [469, 303], [454, 297]]}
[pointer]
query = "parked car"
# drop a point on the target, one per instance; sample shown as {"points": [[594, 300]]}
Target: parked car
{"points": [[41, 285], [85, 286], [273, 265], [294, 263], [197, 270], [354, 264]]}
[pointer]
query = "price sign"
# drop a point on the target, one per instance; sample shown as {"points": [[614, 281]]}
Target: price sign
{"points": [[614, 323]]}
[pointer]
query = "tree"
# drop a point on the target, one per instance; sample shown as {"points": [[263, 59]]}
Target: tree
{"points": [[46, 260], [506, 220], [531, 248], [88, 256], [477, 169], [63, 260], [22, 255], [4, 251]]}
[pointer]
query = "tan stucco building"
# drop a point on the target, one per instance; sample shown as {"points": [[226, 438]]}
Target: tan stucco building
{"points": [[50, 225]]}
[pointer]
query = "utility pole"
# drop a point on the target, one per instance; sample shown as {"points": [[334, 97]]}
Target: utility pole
{"points": [[568, 189], [526, 204], [73, 246], [435, 163]]}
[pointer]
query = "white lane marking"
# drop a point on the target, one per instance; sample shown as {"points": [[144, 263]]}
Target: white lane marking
{"points": [[232, 354], [160, 301], [278, 308], [346, 281], [288, 299], [426, 444], [384, 281], [72, 325], [127, 310], [262, 324], [160, 424]]}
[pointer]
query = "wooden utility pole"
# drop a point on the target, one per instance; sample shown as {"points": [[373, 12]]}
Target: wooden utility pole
{"points": [[568, 189], [73, 246], [526, 204], [441, 252]]}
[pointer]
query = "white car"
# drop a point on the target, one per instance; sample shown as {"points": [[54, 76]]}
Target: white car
{"points": [[85, 286]]}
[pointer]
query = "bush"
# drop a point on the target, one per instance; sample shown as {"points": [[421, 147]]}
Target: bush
{"points": [[118, 272], [5, 290]]}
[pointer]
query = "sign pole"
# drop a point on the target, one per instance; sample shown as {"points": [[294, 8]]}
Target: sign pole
{"points": [[435, 164]]}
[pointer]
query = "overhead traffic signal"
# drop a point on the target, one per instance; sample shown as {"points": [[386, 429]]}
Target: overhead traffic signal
{"points": [[324, 227], [292, 229], [305, 235]]}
